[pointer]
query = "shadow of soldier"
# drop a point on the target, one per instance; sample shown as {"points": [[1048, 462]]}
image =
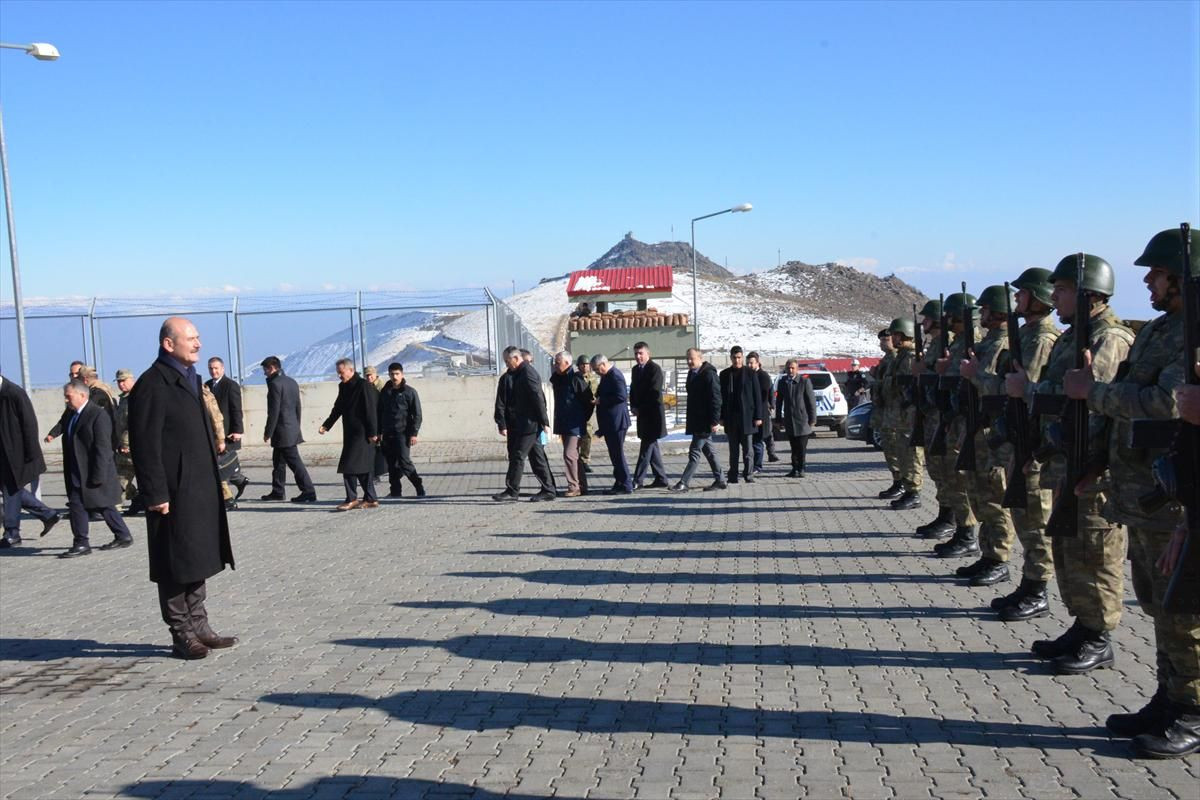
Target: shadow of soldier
{"points": [[575, 607], [339, 786]]}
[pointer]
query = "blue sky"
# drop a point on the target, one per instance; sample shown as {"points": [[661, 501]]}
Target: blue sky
{"points": [[180, 146]]}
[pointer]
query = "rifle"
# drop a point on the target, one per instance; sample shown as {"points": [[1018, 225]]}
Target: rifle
{"points": [[916, 438], [1064, 518], [968, 396], [1016, 418], [1177, 473], [941, 393]]}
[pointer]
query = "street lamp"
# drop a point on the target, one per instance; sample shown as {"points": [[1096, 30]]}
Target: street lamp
{"points": [[42, 52], [695, 292]]}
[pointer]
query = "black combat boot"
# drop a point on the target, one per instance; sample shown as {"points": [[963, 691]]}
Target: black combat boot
{"points": [[964, 543], [939, 527], [1031, 605], [1093, 651], [1012, 598], [1053, 648], [974, 568], [1180, 737], [1151, 718], [994, 572], [910, 499], [892, 492]]}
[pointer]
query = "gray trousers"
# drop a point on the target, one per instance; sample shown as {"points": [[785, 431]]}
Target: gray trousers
{"points": [[649, 460], [700, 446], [182, 607]]}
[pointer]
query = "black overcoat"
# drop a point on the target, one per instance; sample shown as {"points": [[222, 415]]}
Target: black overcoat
{"points": [[283, 411], [88, 452], [174, 454], [646, 398], [21, 460], [741, 400], [520, 402], [796, 406], [228, 393], [355, 406], [703, 400]]}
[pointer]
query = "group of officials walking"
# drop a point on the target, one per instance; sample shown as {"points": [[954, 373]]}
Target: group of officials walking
{"points": [[1131, 371]]}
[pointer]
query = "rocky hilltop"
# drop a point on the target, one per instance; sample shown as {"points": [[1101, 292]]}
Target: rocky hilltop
{"points": [[629, 252]]}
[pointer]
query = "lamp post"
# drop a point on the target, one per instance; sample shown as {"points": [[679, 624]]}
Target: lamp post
{"points": [[695, 292], [42, 52]]}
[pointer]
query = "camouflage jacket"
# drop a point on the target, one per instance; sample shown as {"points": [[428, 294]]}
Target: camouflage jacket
{"points": [[992, 353], [875, 378], [898, 412], [121, 422], [1143, 388], [1037, 339], [932, 354], [214, 412]]}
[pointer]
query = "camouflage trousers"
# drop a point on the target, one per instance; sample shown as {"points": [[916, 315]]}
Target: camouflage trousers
{"points": [[1090, 567], [585, 443], [1030, 523], [126, 477], [955, 489], [987, 486], [891, 452], [1176, 636], [906, 463]]}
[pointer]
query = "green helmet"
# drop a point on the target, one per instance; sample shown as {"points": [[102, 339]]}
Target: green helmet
{"points": [[956, 302], [993, 298], [1037, 281], [932, 310], [885, 333], [1098, 274], [903, 325], [1165, 250]]}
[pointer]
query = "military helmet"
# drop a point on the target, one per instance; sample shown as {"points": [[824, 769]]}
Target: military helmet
{"points": [[1165, 250], [932, 309], [993, 298], [579, 362], [1037, 281], [883, 334], [1098, 274], [956, 302], [903, 325]]}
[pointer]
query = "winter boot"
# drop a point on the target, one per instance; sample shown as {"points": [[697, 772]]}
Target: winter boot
{"points": [[1053, 648], [1032, 604], [1093, 651], [1012, 598], [994, 572], [892, 492], [939, 527], [910, 499], [964, 543], [1181, 736]]}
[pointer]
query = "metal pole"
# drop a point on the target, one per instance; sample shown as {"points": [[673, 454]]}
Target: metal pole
{"points": [[98, 332], [695, 294], [92, 329], [362, 332], [237, 336], [18, 303]]}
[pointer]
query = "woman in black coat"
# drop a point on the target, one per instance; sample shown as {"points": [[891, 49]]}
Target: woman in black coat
{"points": [[797, 409], [356, 407]]}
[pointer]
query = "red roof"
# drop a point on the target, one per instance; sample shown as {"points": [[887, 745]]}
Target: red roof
{"points": [[624, 280]]}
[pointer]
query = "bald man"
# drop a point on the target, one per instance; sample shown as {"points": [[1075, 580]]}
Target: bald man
{"points": [[174, 455]]}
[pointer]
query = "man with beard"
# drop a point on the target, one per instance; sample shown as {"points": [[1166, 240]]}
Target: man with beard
{"points": [[742, 411], [399, 424]]}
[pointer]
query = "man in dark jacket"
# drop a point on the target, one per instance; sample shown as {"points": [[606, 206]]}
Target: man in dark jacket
{"points": [[764, 436], [21, 463], [521, 417], [356, 407], [612, 420], [703, 417], [742, 411], [282, 432], [173, 447], [399, 424], [572, 408], [646, 402], [797, 406], [90, 472], [228, 393]]}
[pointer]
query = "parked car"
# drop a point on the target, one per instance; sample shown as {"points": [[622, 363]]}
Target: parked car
{"points": [[858, 426], [831, 403]]}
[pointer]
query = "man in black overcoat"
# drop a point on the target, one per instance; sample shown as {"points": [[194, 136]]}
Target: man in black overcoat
{"points": [[355, 406], [174, 454], [797, 406], [742, 411], [228, 394], [21, 463], [90, 472], [399, 424], [764, 436], [521, 417], [282, 432], [646, 383], [703, 417]]}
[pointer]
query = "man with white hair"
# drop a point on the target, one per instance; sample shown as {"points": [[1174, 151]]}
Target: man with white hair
{"points": [[572, 407], [521, 417], [612, 420]]}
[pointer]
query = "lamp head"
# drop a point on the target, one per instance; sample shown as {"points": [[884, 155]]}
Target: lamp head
{"points": [[742, 207], [43, 51]]}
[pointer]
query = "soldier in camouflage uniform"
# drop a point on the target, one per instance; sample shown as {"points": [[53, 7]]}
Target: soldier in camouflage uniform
{"points": [[984, 368], [125, 473], [931, 326], [1090, 565], [878, 420], [964, 542], [1169, 725], [1037, 337], [899, 413], [589, 426]]}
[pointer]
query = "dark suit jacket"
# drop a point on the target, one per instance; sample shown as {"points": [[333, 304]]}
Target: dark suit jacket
{"points": [[171, 440], [20, 451], [612, 404], [646, 398], [520, 402], [88, 461], [283, 411], [229, 400]]}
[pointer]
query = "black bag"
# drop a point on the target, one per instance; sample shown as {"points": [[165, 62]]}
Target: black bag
{"points": [[228, 466]]}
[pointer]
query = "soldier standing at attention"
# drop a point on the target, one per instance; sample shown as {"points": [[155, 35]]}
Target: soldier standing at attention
{"points": [[878, 421], [1037, 337], [1090, 566], [899, 414], [931, 325], [125, 474], [1169, 725], [589, 425], [984, 368]]}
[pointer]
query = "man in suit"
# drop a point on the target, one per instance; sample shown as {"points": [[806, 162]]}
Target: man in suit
{"points": [[174, 453], [282, 432], [21, 463], [798, 413], [90, 472], [228, 394], [521, 417], [742, 411], [703, 417], [612, 420], [98, 392], [356, 408], [764, 435], [399, 423], [646, 402]]}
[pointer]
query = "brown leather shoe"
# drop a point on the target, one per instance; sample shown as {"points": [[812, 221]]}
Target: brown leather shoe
{"points": [[189, 649], [573, 493], [350, 505], [213, 641], [370, 504]]}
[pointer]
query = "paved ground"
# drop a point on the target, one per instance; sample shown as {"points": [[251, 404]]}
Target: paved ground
{"points": [[786, 639]]}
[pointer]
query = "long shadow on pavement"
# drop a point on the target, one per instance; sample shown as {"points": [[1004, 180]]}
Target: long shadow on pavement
{"points": [[571, 608], [52, 649], [339, 786], [614, 553], [697, 537], [492, 710], [592, 577]]}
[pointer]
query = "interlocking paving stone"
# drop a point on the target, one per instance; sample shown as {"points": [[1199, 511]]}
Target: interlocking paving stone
{"points": [[783, 639]]}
